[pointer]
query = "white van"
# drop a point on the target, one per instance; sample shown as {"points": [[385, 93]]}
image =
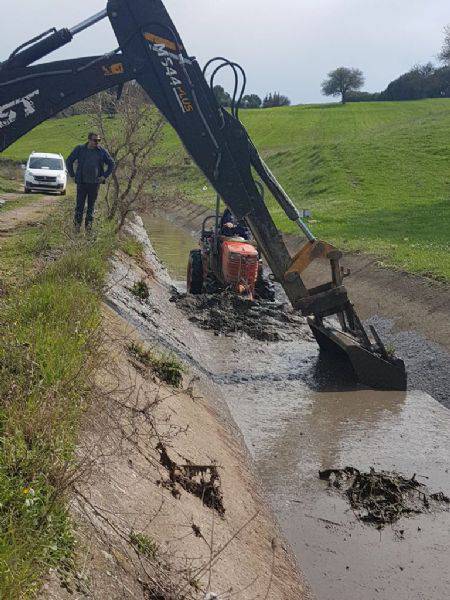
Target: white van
{"points": [[45, 173]]}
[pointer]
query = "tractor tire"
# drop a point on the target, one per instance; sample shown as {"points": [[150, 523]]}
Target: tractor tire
{"points": [[264, 288], [195, 273]]}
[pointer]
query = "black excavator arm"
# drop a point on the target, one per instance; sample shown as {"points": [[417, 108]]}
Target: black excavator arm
{"points": [[152, 53]]}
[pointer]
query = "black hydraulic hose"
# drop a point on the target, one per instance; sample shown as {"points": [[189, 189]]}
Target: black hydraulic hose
{"points": [[31, 54], [236, 83], [33, 41], [225, 62]]}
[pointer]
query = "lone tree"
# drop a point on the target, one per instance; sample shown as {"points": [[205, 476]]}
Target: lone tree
{"points": [[275, 99], [341, 81], [444, 54]]}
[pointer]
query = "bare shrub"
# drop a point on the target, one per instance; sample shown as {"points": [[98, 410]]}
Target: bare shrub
{"points": [[131, 129]]}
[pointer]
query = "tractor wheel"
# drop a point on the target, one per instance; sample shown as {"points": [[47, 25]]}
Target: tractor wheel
{"points": [[264, 288], [212, 285], [195, 273]]}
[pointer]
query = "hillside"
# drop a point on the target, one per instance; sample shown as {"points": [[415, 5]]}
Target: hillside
{"points": [[375, 175]]}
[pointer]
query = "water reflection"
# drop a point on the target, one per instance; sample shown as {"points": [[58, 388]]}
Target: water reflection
{"points": [[325, 428]]}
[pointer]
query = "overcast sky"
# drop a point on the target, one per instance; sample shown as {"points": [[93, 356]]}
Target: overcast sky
{"points": [[285, 45]]}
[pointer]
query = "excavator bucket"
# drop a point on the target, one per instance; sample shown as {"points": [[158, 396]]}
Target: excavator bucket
{"points": [[370, 366]]}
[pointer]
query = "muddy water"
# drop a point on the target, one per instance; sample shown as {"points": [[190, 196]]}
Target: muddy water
{"points": [[299, 415], [172, 243]]}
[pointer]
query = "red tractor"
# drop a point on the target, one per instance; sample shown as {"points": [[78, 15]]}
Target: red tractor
{"points": [[225, 262]]}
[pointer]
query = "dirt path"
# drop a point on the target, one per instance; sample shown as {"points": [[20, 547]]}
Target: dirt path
{"points": [[33, 212]]}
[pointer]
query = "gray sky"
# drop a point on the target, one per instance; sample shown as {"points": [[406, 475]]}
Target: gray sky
{"points": [[285, 45]]}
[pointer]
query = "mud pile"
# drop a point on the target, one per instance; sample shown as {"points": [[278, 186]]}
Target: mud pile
{"points": [[381, 497], [228, 314]]}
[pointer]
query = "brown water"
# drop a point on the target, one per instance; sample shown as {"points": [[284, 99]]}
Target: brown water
{"points": [[299, 415], [172, 244]]}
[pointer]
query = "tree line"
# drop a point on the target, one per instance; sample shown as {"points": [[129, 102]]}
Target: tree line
{"points": [[251, 100], [421, 81]]}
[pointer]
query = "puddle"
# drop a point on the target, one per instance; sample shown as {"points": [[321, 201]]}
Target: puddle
{"points": [[300, 415]]}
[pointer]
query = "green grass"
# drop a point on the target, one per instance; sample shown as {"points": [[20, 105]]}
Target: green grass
{"points": [[11, 182], [131, 246], [8, 185], [55, 135], [375, 175], [144, 545], [49, 319], [16, 203]]}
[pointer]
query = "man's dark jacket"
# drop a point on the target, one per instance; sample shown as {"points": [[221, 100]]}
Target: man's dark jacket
{"points": [[79, 154]]}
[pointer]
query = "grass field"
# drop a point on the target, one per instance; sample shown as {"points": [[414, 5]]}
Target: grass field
{"points": [[375, 175]]}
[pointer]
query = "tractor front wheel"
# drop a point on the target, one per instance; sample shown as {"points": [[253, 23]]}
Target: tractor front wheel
{"points": [[195, 273]]}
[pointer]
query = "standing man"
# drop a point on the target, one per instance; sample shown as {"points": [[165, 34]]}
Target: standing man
{"points": [[94, 166]]}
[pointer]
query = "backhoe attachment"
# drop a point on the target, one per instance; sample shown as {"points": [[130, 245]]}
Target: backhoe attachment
{"points": [[151, 52]]}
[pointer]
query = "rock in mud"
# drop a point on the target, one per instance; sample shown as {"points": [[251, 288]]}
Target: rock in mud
{"points": [[227, 314]]}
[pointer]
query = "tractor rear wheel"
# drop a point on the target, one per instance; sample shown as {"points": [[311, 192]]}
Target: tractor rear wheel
{"points": [[264, 288], [195, 273]]}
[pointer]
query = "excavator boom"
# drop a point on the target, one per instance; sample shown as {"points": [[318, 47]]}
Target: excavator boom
{"points": [[152, 53]]}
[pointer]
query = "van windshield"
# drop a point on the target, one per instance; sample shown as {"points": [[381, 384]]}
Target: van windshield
{"points": [[41, 162]]}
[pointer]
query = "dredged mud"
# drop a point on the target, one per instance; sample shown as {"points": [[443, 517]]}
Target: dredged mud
{"points": [[228, 314], [427, 362], [382, 498]]}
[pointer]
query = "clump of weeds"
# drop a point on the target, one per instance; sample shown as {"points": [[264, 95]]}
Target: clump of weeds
{"points": [[131, 246], [140, 290], [166, 366], [144, 545], [382, 497]]}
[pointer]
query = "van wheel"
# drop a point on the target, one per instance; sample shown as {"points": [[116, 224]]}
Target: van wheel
{"points": [[27, 190], [63, 193], [195, 273]]}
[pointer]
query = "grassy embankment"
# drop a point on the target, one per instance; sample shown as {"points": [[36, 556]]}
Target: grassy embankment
{"points": [[51, 287], [375, 175], [50, 316]]}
